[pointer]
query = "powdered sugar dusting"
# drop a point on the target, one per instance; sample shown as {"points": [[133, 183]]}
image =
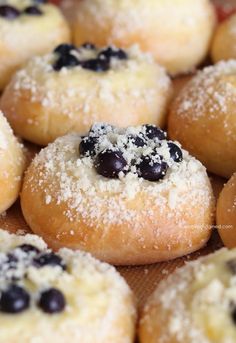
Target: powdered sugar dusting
{"points": [[66, 178], [211, 90], [200, 297]]}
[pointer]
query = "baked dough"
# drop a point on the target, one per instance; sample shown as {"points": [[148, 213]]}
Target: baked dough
{"points": [[12, 165], [202, 118], [128, 196], [26, 35], [195, 304], [177, 33], [224, 42], [63, 297], [226, 213], [69, 90]]}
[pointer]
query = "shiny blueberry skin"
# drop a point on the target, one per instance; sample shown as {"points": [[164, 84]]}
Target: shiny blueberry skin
{"points": [[110, 52], [150, 170], [52, 301], [9, 12], [87, 146], [66, 61], [96, 64], [153, 131], [28, 248], [14, 300], [40, 1], [110, 163], [89, 46], [49, 259], [138, 141], [64, 49], [33, 10], [175, 152]]}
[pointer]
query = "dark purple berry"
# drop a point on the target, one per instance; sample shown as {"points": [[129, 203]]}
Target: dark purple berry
{"points": [[111, 52], [14, 299], [66, 61], [233, 314], [28, 248], [49, 259], [64, 49], [87, 146], [231, 264], [33, 10], [40, 1], [52, 301], [151, 170], [89, 46], [175, 152], [9, 12], [153, 131], [110, 163], [96, 64], [137, 140]]}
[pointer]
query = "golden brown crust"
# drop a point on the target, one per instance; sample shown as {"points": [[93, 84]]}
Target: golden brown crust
{"points": [[224, 41], [42, 104], [12, 161], [29, 37], [202, 118], [153, 225], [226, 213], [178, 35]]}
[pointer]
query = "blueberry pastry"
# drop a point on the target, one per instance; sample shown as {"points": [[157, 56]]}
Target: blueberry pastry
{"points": [[177, 33], [202, 117], [71, 88], [128, 196], [197, 303], [60, 297], [27, 28]]}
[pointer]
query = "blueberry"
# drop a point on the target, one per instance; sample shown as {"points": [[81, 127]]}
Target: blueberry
{"points": [[40, 1], [65, 61], [64, 49], [87, 146], [153, 131], [49, 259], [151, 170], [52, 301], [110, 163], [28, 248], [32, 10], [231, 264], [9, 12], [96, 64], [111, 52], [89, 46], [175, 152], [14, 299], [137, 140]]}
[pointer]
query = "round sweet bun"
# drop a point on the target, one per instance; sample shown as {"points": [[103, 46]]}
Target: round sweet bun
{"points": [[226, 213], [194, 304], [12, 162], [63, 297], [122, 194], [27, 34], [224, 42], [177, 33], [50, 97], [202, 118]]}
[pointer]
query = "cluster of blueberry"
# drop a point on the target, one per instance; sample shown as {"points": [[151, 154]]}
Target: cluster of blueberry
{"points": [[14, 298], [110, 162], [11, 13], [231, 264], [99, 64]]}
